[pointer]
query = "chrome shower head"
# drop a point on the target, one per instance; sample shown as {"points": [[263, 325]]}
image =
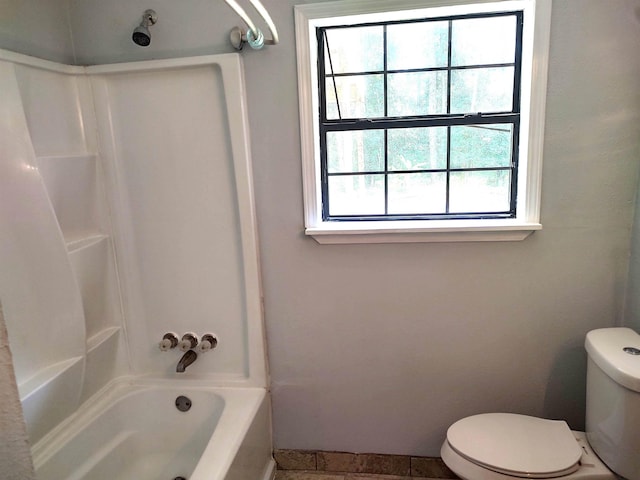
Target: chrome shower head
{"points": [[141, 34]]}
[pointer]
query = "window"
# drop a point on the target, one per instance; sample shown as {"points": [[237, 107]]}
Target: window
{"points": [[422, 124]]}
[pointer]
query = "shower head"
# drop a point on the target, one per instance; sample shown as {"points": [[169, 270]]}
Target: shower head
{"points": [[141, 34]]}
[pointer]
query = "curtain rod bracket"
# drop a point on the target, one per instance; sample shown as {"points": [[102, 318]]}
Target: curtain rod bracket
{"points": [[253, 36], [239, 38]]}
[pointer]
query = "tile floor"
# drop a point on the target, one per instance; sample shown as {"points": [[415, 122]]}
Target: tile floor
{"points": [[318, 465], [314, 475]]}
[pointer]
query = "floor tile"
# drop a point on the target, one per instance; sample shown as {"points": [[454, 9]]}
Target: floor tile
{"points": [[301, 475], [295, 459], [430, 468], [364, 463], [367, 476]]}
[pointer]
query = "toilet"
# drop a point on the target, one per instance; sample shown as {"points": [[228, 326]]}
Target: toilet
{"points": [[506, 446]]}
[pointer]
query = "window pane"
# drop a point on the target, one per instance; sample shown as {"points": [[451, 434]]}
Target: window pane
{"points": [[478, 146], [485, 191], [417, 93], [417, 45], [356, 195], [361, 96], [358, 49], [482, 90], [412, 193], [417, 148], [355, 151], [482, 41]]}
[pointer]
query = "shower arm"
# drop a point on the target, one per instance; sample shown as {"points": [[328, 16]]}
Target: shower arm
{"points": [[254, 36]]}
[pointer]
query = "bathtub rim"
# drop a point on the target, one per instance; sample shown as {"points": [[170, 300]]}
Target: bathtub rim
{"points": [[218, 452]]}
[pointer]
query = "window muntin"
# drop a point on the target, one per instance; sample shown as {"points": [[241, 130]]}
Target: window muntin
{"points": [[415, 124]]}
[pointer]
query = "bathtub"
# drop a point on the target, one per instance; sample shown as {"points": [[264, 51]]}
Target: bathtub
{"points": [[135, 431]]}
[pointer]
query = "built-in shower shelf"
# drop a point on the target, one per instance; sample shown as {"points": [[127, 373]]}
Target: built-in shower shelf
{"points": [[104, 336], [91, 259], [51, 395], [45, 376], [69, 321], [79, 240], [103, 361]]}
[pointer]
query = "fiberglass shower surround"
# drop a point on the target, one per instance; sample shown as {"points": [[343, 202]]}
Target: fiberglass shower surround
{"points": [[81, 319]]}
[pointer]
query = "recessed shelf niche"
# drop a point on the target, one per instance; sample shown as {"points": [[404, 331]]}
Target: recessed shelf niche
{"points": [[93, 265]]}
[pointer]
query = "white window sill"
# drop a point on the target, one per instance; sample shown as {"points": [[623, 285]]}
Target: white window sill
{"points": [[422, 231]]}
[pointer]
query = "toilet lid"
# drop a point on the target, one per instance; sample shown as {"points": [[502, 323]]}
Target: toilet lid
{"points": [[516, 445]]}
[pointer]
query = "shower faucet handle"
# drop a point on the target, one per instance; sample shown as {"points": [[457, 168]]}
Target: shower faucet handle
{"points": [[189, 341], [209, 342], [169, 341]]}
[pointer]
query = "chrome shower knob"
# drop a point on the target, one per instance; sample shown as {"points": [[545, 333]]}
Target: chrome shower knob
{"points": [[169, 341], [189, 341], [209, 342]]}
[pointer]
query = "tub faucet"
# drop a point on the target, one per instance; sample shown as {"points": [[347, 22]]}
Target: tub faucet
{"points": [[187, 359]]}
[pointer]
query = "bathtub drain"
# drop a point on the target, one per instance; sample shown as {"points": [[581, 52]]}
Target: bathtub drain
{"points": [[183, 404]]}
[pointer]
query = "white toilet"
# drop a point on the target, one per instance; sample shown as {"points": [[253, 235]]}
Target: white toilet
{"points": [[504, 446]]}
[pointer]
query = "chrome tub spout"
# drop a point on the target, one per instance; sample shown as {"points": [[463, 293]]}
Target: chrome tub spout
{"points": [[187, 359]]}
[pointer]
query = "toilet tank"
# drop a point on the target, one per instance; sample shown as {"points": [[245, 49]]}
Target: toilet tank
{"points": [[613, 399]]}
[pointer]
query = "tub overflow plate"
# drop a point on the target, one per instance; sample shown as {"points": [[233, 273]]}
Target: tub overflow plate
{"points": [[183, 403]]}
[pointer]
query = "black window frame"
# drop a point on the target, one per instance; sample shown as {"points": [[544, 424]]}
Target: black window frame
{"points": [[447, 120]]}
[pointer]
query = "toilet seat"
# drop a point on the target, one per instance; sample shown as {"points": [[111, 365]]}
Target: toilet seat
{"points": [[516, 445]]}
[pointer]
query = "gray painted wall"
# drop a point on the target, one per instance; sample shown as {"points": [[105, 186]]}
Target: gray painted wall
{"points": [[39, 28], [380, 347]]}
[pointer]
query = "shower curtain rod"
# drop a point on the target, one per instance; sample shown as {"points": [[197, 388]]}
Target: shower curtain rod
{"points": [[254, 36]]}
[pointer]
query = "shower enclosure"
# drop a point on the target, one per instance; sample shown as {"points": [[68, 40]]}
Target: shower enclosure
{"points": [[127, 211]]}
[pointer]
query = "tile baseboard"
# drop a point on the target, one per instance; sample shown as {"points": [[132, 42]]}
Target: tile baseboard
{"points": [[363, 463]]}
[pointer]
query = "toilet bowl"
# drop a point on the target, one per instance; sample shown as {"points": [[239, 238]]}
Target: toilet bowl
{"points": [[505, 446], [502, 446]]}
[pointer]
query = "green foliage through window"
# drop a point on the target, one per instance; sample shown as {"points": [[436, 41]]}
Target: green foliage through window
{"points": [[420, 119]]}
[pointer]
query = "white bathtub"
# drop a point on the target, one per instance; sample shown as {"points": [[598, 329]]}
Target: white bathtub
{"points": [[135, 431]]}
